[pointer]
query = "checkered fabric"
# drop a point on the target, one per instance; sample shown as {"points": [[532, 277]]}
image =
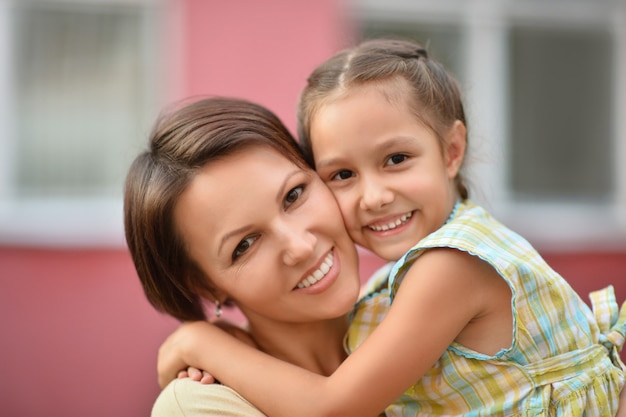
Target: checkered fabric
{"points": [[564, 357]]}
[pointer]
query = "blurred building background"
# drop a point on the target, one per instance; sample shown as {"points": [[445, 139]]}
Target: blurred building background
{"points": [[81, 82]]}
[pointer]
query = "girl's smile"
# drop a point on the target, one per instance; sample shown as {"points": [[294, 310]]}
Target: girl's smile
{"points": [[391, 223]]}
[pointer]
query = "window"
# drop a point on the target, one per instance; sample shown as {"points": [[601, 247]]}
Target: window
{"points": [[561, 121], [81, 95], [544, 85]]}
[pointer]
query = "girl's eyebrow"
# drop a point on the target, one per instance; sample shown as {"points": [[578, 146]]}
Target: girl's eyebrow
{"points": [[380, 148], [395, 141], [327, 162]]}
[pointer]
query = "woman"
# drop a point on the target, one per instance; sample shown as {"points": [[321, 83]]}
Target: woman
{"points": [[223, 207]]}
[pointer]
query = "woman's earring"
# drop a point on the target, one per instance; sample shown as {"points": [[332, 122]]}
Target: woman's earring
{"points": [[218, 309]]}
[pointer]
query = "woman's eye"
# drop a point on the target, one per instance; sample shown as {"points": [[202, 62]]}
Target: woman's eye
{"points": [[243, 247], [342, 175], [293, 195], [396, 159]]}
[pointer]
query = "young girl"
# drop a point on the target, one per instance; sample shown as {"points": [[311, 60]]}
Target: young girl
{"points": [[475, 322]]}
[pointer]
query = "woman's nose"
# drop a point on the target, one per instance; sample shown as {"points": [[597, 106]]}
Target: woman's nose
{"points": [[299, 245]]}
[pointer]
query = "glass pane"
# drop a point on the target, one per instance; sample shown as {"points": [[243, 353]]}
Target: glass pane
{"points": [[442, 41], [79, 98], [561, 113]]}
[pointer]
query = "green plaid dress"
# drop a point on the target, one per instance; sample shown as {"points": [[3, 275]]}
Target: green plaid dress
{"points": [[564, 360]]}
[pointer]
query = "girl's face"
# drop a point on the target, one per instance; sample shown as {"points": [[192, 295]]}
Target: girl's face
{"points": [[390, 174], [270, 236]]}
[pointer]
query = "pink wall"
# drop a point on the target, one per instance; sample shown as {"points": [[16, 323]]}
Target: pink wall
{"points": [[78, 336], [260, 50]]}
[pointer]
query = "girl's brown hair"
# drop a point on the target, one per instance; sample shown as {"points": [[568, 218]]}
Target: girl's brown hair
{"points": [[433, 94], [182, 141]]}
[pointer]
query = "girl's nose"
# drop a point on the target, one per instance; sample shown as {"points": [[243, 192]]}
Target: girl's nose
{"points": [[375, 195], [299, 246]]}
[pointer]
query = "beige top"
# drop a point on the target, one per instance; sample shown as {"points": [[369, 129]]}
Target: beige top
{"points": [[187, 398]]}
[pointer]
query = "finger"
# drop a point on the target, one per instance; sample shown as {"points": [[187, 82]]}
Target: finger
{"points": [[207, 378], [194, 373], [182, 374]]}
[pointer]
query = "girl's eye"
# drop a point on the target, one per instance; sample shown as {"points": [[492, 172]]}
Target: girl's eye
{"points": [[342, 175], [396, 159], [243, 247], [293, 195]]}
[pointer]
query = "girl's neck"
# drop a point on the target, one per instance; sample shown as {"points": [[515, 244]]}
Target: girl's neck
{"points": [[316, 346]]}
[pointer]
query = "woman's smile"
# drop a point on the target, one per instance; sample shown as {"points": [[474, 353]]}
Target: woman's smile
{"points": [[318, 274]]}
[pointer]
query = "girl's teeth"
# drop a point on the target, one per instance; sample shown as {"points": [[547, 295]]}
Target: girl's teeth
{"points": [[318, 274], [392, 225]]}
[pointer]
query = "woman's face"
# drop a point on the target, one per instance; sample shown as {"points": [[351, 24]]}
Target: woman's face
{"points": [[270, 236]]}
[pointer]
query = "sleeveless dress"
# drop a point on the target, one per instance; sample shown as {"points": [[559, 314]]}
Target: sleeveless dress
{"points": [[564, 358]]}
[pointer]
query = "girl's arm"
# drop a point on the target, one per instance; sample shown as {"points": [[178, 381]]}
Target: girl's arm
{"points": [[621, 411], [440, 294]]}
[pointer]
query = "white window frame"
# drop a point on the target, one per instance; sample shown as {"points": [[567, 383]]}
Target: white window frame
{"points": [[73, 222], [484, 25]]}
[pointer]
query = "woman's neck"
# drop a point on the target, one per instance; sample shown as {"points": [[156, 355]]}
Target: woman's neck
{"points": [[316, 346]]}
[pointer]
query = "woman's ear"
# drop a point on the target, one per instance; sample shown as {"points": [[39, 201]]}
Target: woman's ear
{"points": [[216, 297], [213, 295], [454, 148]]}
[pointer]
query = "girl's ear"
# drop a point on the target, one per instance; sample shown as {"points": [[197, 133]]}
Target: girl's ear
{"points": [[455, 146]]}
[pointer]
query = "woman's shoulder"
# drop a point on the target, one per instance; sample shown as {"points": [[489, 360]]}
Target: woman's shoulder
{"points": [[187, 398]]}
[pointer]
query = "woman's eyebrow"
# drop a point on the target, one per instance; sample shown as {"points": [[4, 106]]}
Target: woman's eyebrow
{"points": [[283, 186], [230, 234], [243, 229]]}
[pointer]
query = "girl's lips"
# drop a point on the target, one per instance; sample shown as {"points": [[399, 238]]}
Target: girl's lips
{"points": [[391, 224]]}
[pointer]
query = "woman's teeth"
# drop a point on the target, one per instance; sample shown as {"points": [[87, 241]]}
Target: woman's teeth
{"points": [[392, 225], [319, 273]]}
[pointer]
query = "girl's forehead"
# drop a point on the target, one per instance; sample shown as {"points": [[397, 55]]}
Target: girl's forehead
{"points": [[395, 92]]}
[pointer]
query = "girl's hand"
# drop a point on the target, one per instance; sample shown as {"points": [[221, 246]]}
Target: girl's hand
{"points": [[196, 374], [171, 357]]}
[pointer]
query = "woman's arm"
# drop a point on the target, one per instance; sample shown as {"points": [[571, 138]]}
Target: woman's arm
{"points": [[440, 294]]}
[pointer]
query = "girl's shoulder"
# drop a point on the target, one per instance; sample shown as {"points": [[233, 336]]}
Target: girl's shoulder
{"points": [[470, 229]]}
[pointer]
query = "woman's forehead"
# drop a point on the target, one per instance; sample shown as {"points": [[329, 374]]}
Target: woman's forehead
{"points": [[233, 191]]}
